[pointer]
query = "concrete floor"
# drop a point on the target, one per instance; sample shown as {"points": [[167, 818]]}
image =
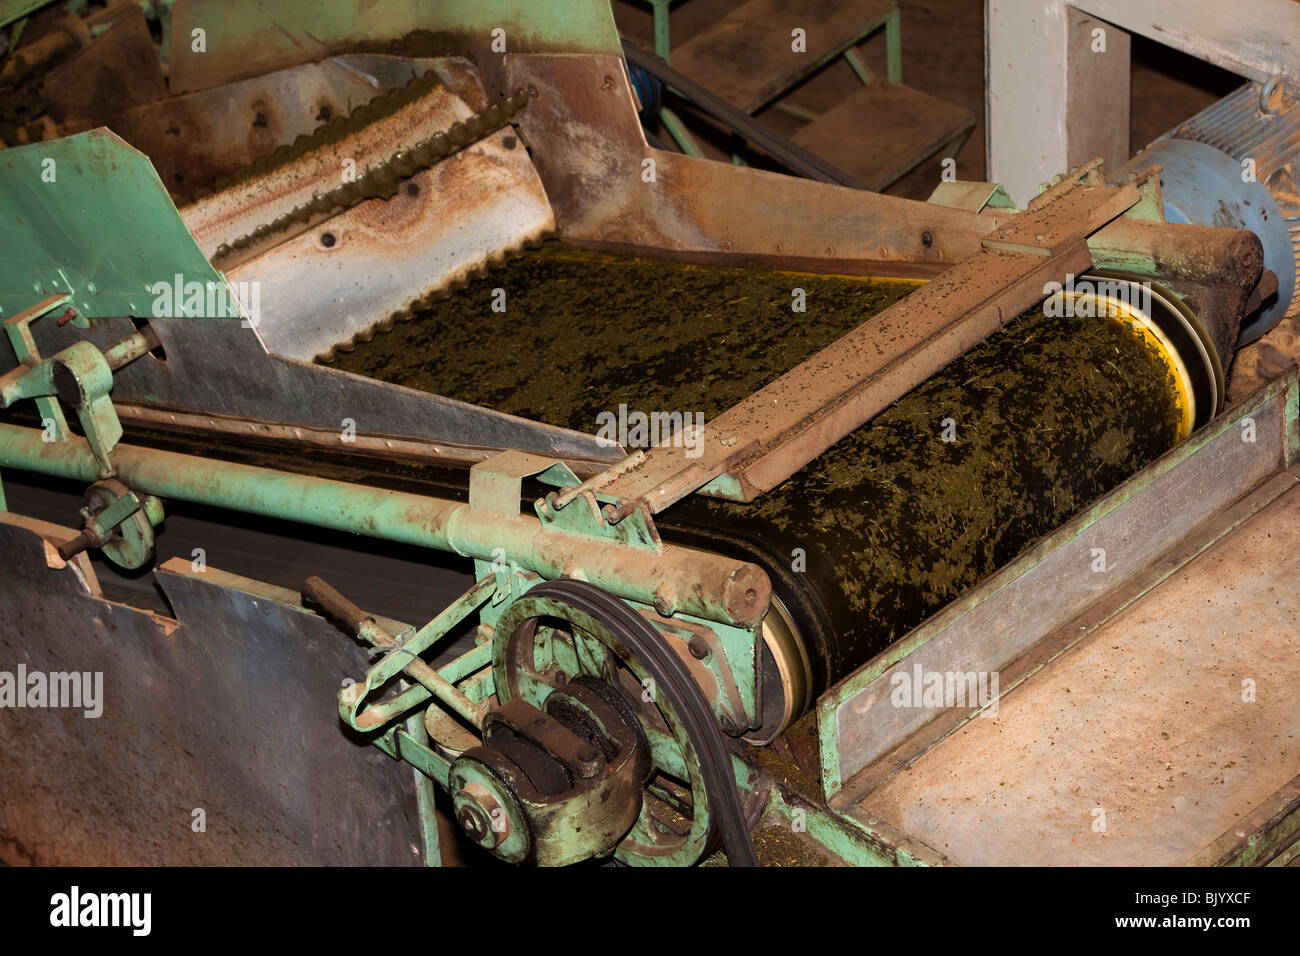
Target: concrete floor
{"points": [[1146, 720]]}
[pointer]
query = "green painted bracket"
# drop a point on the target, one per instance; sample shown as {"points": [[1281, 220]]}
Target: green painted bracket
{"points": [[93, 380], [972, 196], [31, 377], [495, 485], [112, 516], [403, 656], [87, 216], [35, 378], [733, 662], [11, 10]]}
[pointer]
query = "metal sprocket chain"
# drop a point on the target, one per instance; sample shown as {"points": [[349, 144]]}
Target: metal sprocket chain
{"points": [[382, 180]]}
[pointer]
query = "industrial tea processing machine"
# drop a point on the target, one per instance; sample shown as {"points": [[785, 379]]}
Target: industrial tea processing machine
{"points": [[807, 525]]}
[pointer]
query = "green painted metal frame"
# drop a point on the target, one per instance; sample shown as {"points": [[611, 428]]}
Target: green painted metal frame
{"points": [[701, 582], [11, 10], [404, 657], [18, 328], [841, 839], [507, 547]]}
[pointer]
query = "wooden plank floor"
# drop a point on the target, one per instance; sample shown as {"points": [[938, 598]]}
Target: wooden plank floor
{"points": [[882, 132]]}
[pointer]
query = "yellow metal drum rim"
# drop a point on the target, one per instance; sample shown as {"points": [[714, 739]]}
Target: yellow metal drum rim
{"points": [[1145, 327]]}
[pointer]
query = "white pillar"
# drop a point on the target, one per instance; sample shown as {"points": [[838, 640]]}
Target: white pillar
{"points": [[1052, 103], [1057, 93]]}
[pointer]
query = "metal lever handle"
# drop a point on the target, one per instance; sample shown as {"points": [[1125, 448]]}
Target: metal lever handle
{"points": [[335, 604], [74, 546]]}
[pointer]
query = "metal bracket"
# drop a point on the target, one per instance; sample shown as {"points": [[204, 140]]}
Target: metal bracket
{"points": [[403, 657], [119, 522], [13, 384]]}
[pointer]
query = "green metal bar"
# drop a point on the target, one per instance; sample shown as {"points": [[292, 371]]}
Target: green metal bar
{"points": [[825, 830], [413, 696], [426, 760], [15, 384], [797, 111], [11, 10], [468, 663], [481, 685], [687, 581], [401, 745], [860, 68], [662, 42], [678, 131], [894, 46], [405, 660], [377, 715], [425, 798], [425, 637], [1286, 856]]}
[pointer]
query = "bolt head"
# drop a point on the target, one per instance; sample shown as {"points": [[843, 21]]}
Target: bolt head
{"points": [[481, 815]]}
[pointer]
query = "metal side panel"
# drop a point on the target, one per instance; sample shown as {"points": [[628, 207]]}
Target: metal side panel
{"points": [[134, 256], [230, 712], [1059, 578], [1167, 736], [250, 383], [467, 212], [87, 215]]}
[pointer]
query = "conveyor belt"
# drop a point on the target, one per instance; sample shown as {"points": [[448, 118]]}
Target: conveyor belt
{"points": [[581, 333], [893, 522], [880, 532]]}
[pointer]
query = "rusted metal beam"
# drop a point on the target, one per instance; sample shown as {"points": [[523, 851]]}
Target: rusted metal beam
{"points": [[304, 439], [1173, 249], [609, 189]]}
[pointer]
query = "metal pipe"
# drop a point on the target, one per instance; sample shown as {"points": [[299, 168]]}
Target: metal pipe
{"points": [[131, 348], [673, 579], [433, 682]]}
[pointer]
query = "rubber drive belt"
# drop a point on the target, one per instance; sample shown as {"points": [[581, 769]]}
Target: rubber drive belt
{"points": [[683, 693]]}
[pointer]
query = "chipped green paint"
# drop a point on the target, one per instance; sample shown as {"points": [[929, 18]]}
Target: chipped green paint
{"points": [[112, 194], [704, 584]]}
